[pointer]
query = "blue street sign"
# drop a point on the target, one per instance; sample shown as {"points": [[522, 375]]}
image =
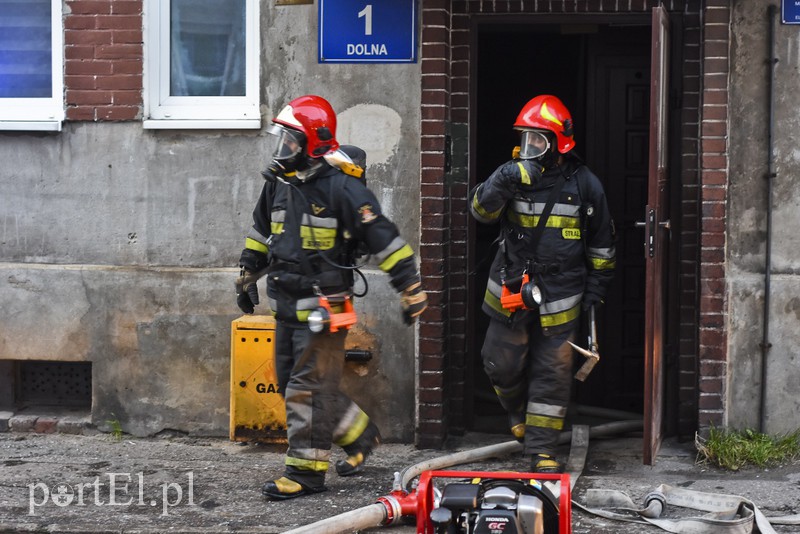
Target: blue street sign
{"points": [[367, 31], [790, 11]]}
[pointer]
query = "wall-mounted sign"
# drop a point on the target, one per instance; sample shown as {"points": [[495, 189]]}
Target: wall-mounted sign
{"points": [[367, 31], [790, 11]]}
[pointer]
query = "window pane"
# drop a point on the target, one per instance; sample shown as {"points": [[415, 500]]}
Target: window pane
{"points": [[208, 48], [25, 54]]}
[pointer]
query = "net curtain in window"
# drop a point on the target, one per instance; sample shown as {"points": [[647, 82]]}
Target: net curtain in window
{"points": [[207, 48]]}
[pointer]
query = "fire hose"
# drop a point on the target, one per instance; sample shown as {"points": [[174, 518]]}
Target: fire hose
{"points": [[726, 514], [390, 508]]}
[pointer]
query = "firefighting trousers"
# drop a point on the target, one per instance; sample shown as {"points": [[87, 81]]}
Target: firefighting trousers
{"points": [[532, 376], [309, 368]]}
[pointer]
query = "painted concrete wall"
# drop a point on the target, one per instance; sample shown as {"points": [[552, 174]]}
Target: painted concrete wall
{"points": [[747, 222], [119, 246]]}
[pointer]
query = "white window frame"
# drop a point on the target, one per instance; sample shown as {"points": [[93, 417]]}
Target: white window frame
{"points": [[162, 111], [44, 113]]}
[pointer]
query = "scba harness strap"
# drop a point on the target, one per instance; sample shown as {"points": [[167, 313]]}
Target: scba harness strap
{"points": [[530, 295]]}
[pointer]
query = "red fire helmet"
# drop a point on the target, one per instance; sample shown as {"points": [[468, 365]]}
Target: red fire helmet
{"points": [[547, 112]]}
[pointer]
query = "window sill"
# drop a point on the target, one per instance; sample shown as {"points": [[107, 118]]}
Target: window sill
{"points": [[30, 126], [241, 124]]}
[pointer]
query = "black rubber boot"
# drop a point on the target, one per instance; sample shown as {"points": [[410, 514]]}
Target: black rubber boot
{"points": [[359, 451], [545, 463], [518, 431], [286, 488], [516, 422]]}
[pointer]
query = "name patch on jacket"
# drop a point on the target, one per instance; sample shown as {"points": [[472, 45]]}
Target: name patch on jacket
{"points": [[571, 233]]}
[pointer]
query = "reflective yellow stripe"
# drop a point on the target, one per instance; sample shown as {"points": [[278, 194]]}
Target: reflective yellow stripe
{"points": [[252, 244], [600, 264], [311, 465], [318, 238], [400, 254], [355, 430], [544, 422], [276, 227], [553, 221], [524, 177], [564, 317], [486, 215], [494, 303]]}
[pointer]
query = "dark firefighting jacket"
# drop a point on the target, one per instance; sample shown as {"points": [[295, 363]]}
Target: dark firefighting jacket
{"points": [[304, 233], [575, 253]]}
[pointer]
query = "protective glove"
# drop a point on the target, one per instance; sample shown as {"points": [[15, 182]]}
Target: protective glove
{"points": [[521, 172], [413, 301], [591, 299], [247, 291]]}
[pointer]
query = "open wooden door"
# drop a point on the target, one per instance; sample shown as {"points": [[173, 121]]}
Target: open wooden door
{"points": [[656, 225]]}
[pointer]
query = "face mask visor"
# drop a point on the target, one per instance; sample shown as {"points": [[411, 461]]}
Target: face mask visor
{"points": [[284, 143], [533, 144]]}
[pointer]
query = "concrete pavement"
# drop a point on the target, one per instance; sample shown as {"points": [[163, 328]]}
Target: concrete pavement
{"points": [[95, 482]]}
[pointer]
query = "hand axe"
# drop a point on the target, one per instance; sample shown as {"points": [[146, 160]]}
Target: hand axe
{"points": [[592, 355]]}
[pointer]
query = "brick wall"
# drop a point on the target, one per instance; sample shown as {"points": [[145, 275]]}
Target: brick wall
{"points": [[432, 418], [713, 195], [103, 59], [445, 112]]}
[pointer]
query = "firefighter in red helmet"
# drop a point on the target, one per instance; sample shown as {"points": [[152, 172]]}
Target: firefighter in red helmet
{"points": [[556, 257], [313, 213]]}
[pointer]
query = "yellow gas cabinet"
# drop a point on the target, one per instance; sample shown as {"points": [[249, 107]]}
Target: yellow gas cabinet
{"points": [[257, 409]]}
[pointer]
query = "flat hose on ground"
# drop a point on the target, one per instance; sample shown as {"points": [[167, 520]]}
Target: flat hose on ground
{"points": [[375, 514], [503, 449], [368, 516]]}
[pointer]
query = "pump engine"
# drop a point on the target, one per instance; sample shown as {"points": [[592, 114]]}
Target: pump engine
{"points": [[496, 506], [489, 503]]}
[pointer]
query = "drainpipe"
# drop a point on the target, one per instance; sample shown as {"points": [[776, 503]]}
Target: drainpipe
{"points": [[771, 174]]}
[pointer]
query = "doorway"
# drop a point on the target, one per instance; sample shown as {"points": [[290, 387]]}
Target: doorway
{"points": [[602, 74]]}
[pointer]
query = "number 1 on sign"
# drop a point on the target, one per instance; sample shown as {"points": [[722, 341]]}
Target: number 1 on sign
{"points": [[367, 14]]}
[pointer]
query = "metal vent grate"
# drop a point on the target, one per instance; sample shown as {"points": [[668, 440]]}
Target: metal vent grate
{"points": [[54, 383]]}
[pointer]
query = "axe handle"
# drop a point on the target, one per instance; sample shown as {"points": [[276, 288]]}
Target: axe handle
{"points": [[591, 355]]}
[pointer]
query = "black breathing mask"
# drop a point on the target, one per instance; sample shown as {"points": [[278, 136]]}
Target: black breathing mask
{"points": [[549, 159]]}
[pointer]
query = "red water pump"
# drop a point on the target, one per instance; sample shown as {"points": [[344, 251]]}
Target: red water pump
{"points": [[484, 503]]}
